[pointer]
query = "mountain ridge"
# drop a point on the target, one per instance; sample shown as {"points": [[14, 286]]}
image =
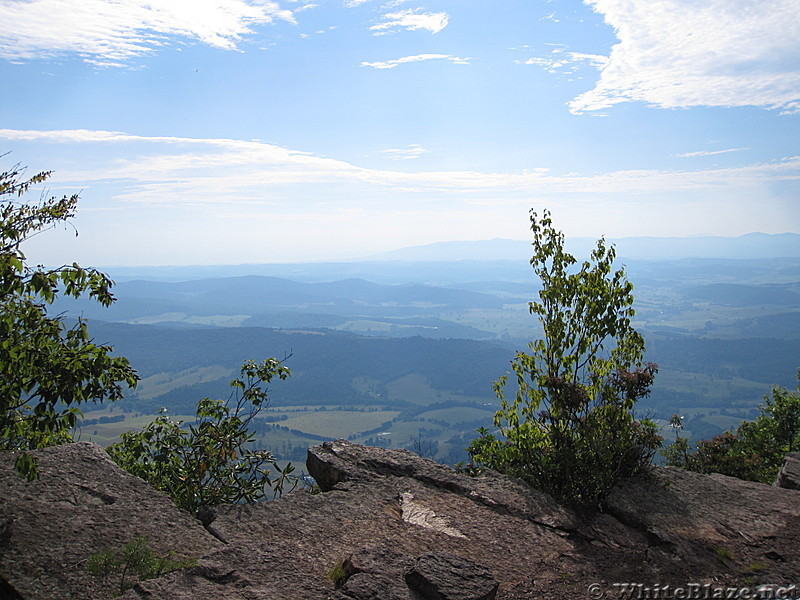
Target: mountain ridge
{"points": [[750, 245]]}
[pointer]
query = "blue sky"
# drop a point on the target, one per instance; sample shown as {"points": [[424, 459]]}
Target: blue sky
{"points": [[234, 131]]}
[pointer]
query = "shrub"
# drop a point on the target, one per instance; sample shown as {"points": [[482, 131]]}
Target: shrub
{"points": [[755, 451], [209, 462], [570, 429]]}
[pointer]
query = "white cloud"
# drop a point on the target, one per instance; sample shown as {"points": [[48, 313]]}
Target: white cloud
{"points": [[563, 62], [708, 152], [681, 53], [412, 20], [175, 170], [391, 64], [218, 200], [112, 32], [410, 152]]}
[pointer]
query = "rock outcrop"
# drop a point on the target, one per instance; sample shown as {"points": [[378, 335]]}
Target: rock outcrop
{"points": [[789, 475], [81, 504], [390, 525]]}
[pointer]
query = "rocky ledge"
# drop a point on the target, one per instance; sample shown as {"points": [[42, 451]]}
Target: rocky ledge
{"points": [[390, 525]]}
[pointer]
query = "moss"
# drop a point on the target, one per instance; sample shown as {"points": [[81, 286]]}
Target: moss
{"points": [[723, 554]]}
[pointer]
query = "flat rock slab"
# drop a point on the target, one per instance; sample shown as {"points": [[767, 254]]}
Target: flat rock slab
{"points": [[240, 571], [390, 525], [324, 530], [342, 460], [705, 521], [82, 503]]}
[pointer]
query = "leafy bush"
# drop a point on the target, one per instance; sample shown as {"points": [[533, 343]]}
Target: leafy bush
{"points": [[209, 462], [570, 429], [46, 367], [755, 451]]}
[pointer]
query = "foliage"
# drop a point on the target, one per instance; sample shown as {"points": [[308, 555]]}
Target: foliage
{"points": [[724, 554], [47, 368], [337, 574], [570, 429], [208, 463], [755, 451], [135, 558]]}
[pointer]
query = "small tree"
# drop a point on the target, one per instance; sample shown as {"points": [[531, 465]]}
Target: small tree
{"points": [[209, 463], [47, 368], [570, 429]]}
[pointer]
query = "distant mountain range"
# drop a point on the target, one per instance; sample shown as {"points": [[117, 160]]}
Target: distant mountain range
{"points": [[751, 245], [482, 260]]}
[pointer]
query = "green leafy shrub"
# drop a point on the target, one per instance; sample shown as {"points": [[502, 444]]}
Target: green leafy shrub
{"points": [[570, 429], [755, 451], [47, 368], [209, 462], [135, 559]]}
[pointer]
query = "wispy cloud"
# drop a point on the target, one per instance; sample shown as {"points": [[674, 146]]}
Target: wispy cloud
{"points": [[391, 64], [236, 198], [111, 33], [681, 53], [410, 152], [412, 20], [562, 61], [176, 170], [709, 152]]}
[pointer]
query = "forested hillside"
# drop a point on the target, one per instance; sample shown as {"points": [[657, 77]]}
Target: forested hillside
{"points": [[405, 354]]}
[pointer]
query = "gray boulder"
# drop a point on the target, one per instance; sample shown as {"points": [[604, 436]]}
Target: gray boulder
{"points": [[789, 475]]}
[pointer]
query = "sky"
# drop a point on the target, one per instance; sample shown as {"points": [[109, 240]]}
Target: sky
{"points": [[252, 131]]}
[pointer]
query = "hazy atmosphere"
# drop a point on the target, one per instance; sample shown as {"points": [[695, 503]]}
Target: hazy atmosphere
{"points": [[399, 299], [226, 131]]}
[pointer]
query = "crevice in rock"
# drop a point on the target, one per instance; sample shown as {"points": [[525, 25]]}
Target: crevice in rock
{"points": [[505, 510], [338, 463], [499, 508], [654, 540], [102, 496], [219, 577], [207, 516], [7, 591]]}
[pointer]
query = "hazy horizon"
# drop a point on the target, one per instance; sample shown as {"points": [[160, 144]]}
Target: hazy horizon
{"points": [[635, 247], [230, 131]]}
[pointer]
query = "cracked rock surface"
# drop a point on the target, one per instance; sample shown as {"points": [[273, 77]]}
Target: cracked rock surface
{"points": [[391, 525], [82, 503]]}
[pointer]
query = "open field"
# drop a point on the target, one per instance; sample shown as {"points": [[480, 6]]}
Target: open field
{"points": [[161, 383], [106, 434], [337, 424], [458, 414]]}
